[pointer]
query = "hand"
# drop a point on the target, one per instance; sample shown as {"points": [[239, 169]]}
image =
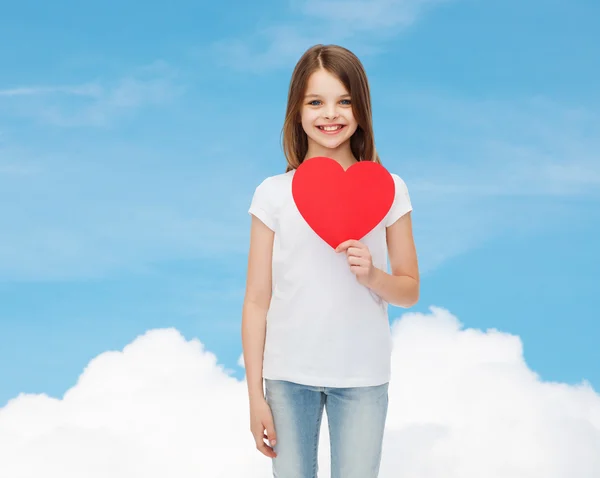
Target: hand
{"points": [[360, 260], [261, 426]]}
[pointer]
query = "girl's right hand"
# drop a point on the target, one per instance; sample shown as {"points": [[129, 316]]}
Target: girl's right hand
{"points": [[261, 426]]}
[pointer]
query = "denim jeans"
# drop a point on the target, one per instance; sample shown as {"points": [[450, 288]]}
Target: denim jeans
{"points": [[356, 419]]}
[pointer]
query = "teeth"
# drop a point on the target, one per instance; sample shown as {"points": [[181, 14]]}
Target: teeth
{"points": [[330, 128]]}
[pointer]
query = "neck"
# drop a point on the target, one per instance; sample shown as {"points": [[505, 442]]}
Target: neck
{"points": [[342, 154]]}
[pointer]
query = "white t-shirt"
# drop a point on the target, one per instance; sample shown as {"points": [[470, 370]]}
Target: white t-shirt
{"points": [[323, 327]]}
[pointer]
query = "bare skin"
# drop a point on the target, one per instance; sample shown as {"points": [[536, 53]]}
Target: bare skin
{"points": [[254, 317], [401, 287], [327, 102]]}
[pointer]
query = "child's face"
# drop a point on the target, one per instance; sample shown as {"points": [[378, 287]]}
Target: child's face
{"points": [[327, 103]]}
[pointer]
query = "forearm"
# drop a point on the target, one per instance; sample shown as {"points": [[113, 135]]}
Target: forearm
{"points": [[401, 291], [253, 345]]}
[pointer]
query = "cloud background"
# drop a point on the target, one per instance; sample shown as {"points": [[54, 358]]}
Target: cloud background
{"points": [[463, 403], [130, 146]]}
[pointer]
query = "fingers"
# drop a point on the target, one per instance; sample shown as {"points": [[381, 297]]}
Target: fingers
{"points": [[354, 248], [359, 270], [349, 243], [360, 262], [265, 449], [270, 432], [358, 265], [358, 256], [270, 441], [353, 253], [357, 261]]}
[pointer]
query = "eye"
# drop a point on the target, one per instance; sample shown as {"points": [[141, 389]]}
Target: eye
{"points": [[348, 102], [312, 103]]}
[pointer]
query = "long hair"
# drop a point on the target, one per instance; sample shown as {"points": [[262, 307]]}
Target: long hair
{"points": [[348, 69]]}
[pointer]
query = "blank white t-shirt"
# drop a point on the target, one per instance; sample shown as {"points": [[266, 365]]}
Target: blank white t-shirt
{"points": [[323, 327]]}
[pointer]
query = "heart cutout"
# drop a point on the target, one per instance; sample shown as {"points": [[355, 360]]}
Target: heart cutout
{"points": [[339, 205]]}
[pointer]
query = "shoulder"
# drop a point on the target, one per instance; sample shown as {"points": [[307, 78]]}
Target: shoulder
{"points": [[275, 184], [399, 184], [401, 204], [267, 199], [398, 180], [271, 191]]}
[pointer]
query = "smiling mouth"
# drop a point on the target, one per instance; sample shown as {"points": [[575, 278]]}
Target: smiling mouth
{"points": [[331, 128]]}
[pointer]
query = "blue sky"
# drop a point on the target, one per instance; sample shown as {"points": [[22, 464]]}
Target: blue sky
{"points": [[131, 141]]}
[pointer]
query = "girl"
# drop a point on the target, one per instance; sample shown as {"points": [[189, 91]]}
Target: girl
{"points": [[314, 324]]}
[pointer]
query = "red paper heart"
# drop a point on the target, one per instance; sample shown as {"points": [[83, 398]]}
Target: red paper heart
{"points": [[340, 205]]}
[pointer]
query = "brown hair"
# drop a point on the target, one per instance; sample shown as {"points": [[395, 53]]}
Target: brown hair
{"points": [[347, 68]]}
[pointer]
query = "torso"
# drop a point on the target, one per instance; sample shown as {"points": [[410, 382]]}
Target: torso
{"points": [[323, 327]]}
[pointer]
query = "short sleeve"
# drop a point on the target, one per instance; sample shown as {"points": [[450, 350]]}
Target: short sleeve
{"points": [[401, 204], [262, 205]]}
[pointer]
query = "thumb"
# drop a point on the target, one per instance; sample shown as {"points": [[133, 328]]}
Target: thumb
{"points": [[271, 435]]}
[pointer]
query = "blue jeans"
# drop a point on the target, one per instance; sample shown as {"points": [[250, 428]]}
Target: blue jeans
{"points": [[356, 419]]}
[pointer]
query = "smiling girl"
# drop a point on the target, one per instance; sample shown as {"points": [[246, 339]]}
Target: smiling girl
{"points": [[315, 327]]}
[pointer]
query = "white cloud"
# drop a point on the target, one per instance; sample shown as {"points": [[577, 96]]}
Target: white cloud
{"points": [[16, 169], [283, 43], [118, 209], [96, 103], [522, 147], [92, 90], [367, 15], [463, 404], [479, 169], [359, 24]]}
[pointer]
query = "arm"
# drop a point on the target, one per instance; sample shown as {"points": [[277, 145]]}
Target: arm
{"points": [[401, 287], [256, 305]]}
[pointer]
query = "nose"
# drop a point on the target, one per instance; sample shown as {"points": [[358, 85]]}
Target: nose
{"points": [[330, 112]]}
